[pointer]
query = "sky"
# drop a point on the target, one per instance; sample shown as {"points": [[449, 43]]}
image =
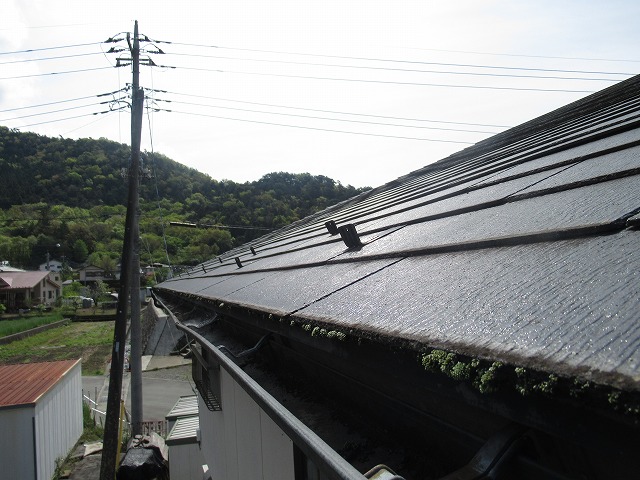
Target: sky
{"points": [[359, 91]]}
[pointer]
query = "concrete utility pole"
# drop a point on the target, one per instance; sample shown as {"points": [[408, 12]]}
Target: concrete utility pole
{"points": [[110, 444], [135, 362]]}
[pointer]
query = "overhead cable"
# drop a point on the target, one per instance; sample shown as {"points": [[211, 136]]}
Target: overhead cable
{"points": [[55, 73], [389, 82], [50, 103], [330, 119], [49, 112], [336, 111], [588, 59], [71, 118], [49, 48], [315, 128], [51, 58], [407, 70], [416, 62]]}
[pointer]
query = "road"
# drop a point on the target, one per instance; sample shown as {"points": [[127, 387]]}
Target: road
{"points": [[164, 381]]}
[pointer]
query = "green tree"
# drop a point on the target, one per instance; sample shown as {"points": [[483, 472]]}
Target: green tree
{"points": [[80, 252], [98, 290]]}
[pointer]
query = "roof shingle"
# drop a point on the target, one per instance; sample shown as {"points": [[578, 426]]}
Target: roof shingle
{"points": [[516, 249]]}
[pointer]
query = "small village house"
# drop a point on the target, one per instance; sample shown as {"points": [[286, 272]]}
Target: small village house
{"points": [[26, 289]]}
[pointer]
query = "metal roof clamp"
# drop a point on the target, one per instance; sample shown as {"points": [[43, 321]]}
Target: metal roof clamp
{"points": [[253, 250], [332, 228], [238, 262], [350, 236]]}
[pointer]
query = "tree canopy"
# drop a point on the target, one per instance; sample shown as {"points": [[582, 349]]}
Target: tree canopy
{"points": [[66, 197]]}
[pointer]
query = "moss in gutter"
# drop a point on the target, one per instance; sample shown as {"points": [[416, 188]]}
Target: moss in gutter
{"points": [[318, 331], [483, 376], [488, 377]]}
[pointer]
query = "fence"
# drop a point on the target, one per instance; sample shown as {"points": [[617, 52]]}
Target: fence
{"points": [[158, 426]]}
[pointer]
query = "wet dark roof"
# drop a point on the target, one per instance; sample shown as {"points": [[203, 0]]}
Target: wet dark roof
{"points": [[522, 248]]}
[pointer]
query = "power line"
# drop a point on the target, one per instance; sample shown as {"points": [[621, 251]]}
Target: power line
{"points": [[49, 112], [416, 62], [71, 118], [527, 56], [315, 128], [89, 123], [155, 182], [335, 111], [330, 119], [51, 58], [217, 225], [448, 72], [49, 48], [51, 103], [389, 82], [55, 73], [147, 215]]}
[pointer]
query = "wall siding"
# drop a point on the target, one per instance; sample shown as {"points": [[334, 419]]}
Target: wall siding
{"points": [[58, 422], [241, 442], [17, 456], [185, 462]]}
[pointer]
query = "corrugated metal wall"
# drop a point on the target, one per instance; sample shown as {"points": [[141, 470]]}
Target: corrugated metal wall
{"points": [[17, 458], [241, 441], [58, 421]]}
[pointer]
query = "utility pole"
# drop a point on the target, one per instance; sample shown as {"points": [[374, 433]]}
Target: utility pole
{"points": [[137, 106], [112, 419]]}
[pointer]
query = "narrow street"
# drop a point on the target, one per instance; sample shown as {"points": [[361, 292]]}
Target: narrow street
{"points": [[164, 380]]}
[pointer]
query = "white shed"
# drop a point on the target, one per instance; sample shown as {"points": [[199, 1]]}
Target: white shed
{"points": [[40, 416], [185, 458]]}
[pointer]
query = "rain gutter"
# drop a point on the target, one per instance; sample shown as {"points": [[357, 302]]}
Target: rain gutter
{"points": [[314, 448]]}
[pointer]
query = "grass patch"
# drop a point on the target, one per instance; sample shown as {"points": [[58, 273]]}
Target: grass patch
{"points": [[91, 341], [92, 432], [17, 325]]}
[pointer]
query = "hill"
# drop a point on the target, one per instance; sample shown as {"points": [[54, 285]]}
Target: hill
{"points": [[72, 193]]}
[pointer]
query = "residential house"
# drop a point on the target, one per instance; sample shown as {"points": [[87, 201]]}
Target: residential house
{"points": [[476, 318], [92, 274], [52, 266], [29, 288]]}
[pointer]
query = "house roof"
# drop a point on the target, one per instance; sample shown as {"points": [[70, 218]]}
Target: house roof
{"points": [[7, 268], [90, 267], [184, 432], [19, 280], [184, 407], [24, 384], [522, 248]]}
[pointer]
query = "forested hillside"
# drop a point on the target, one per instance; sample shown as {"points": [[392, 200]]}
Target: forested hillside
{"points": [[67, 197]]}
